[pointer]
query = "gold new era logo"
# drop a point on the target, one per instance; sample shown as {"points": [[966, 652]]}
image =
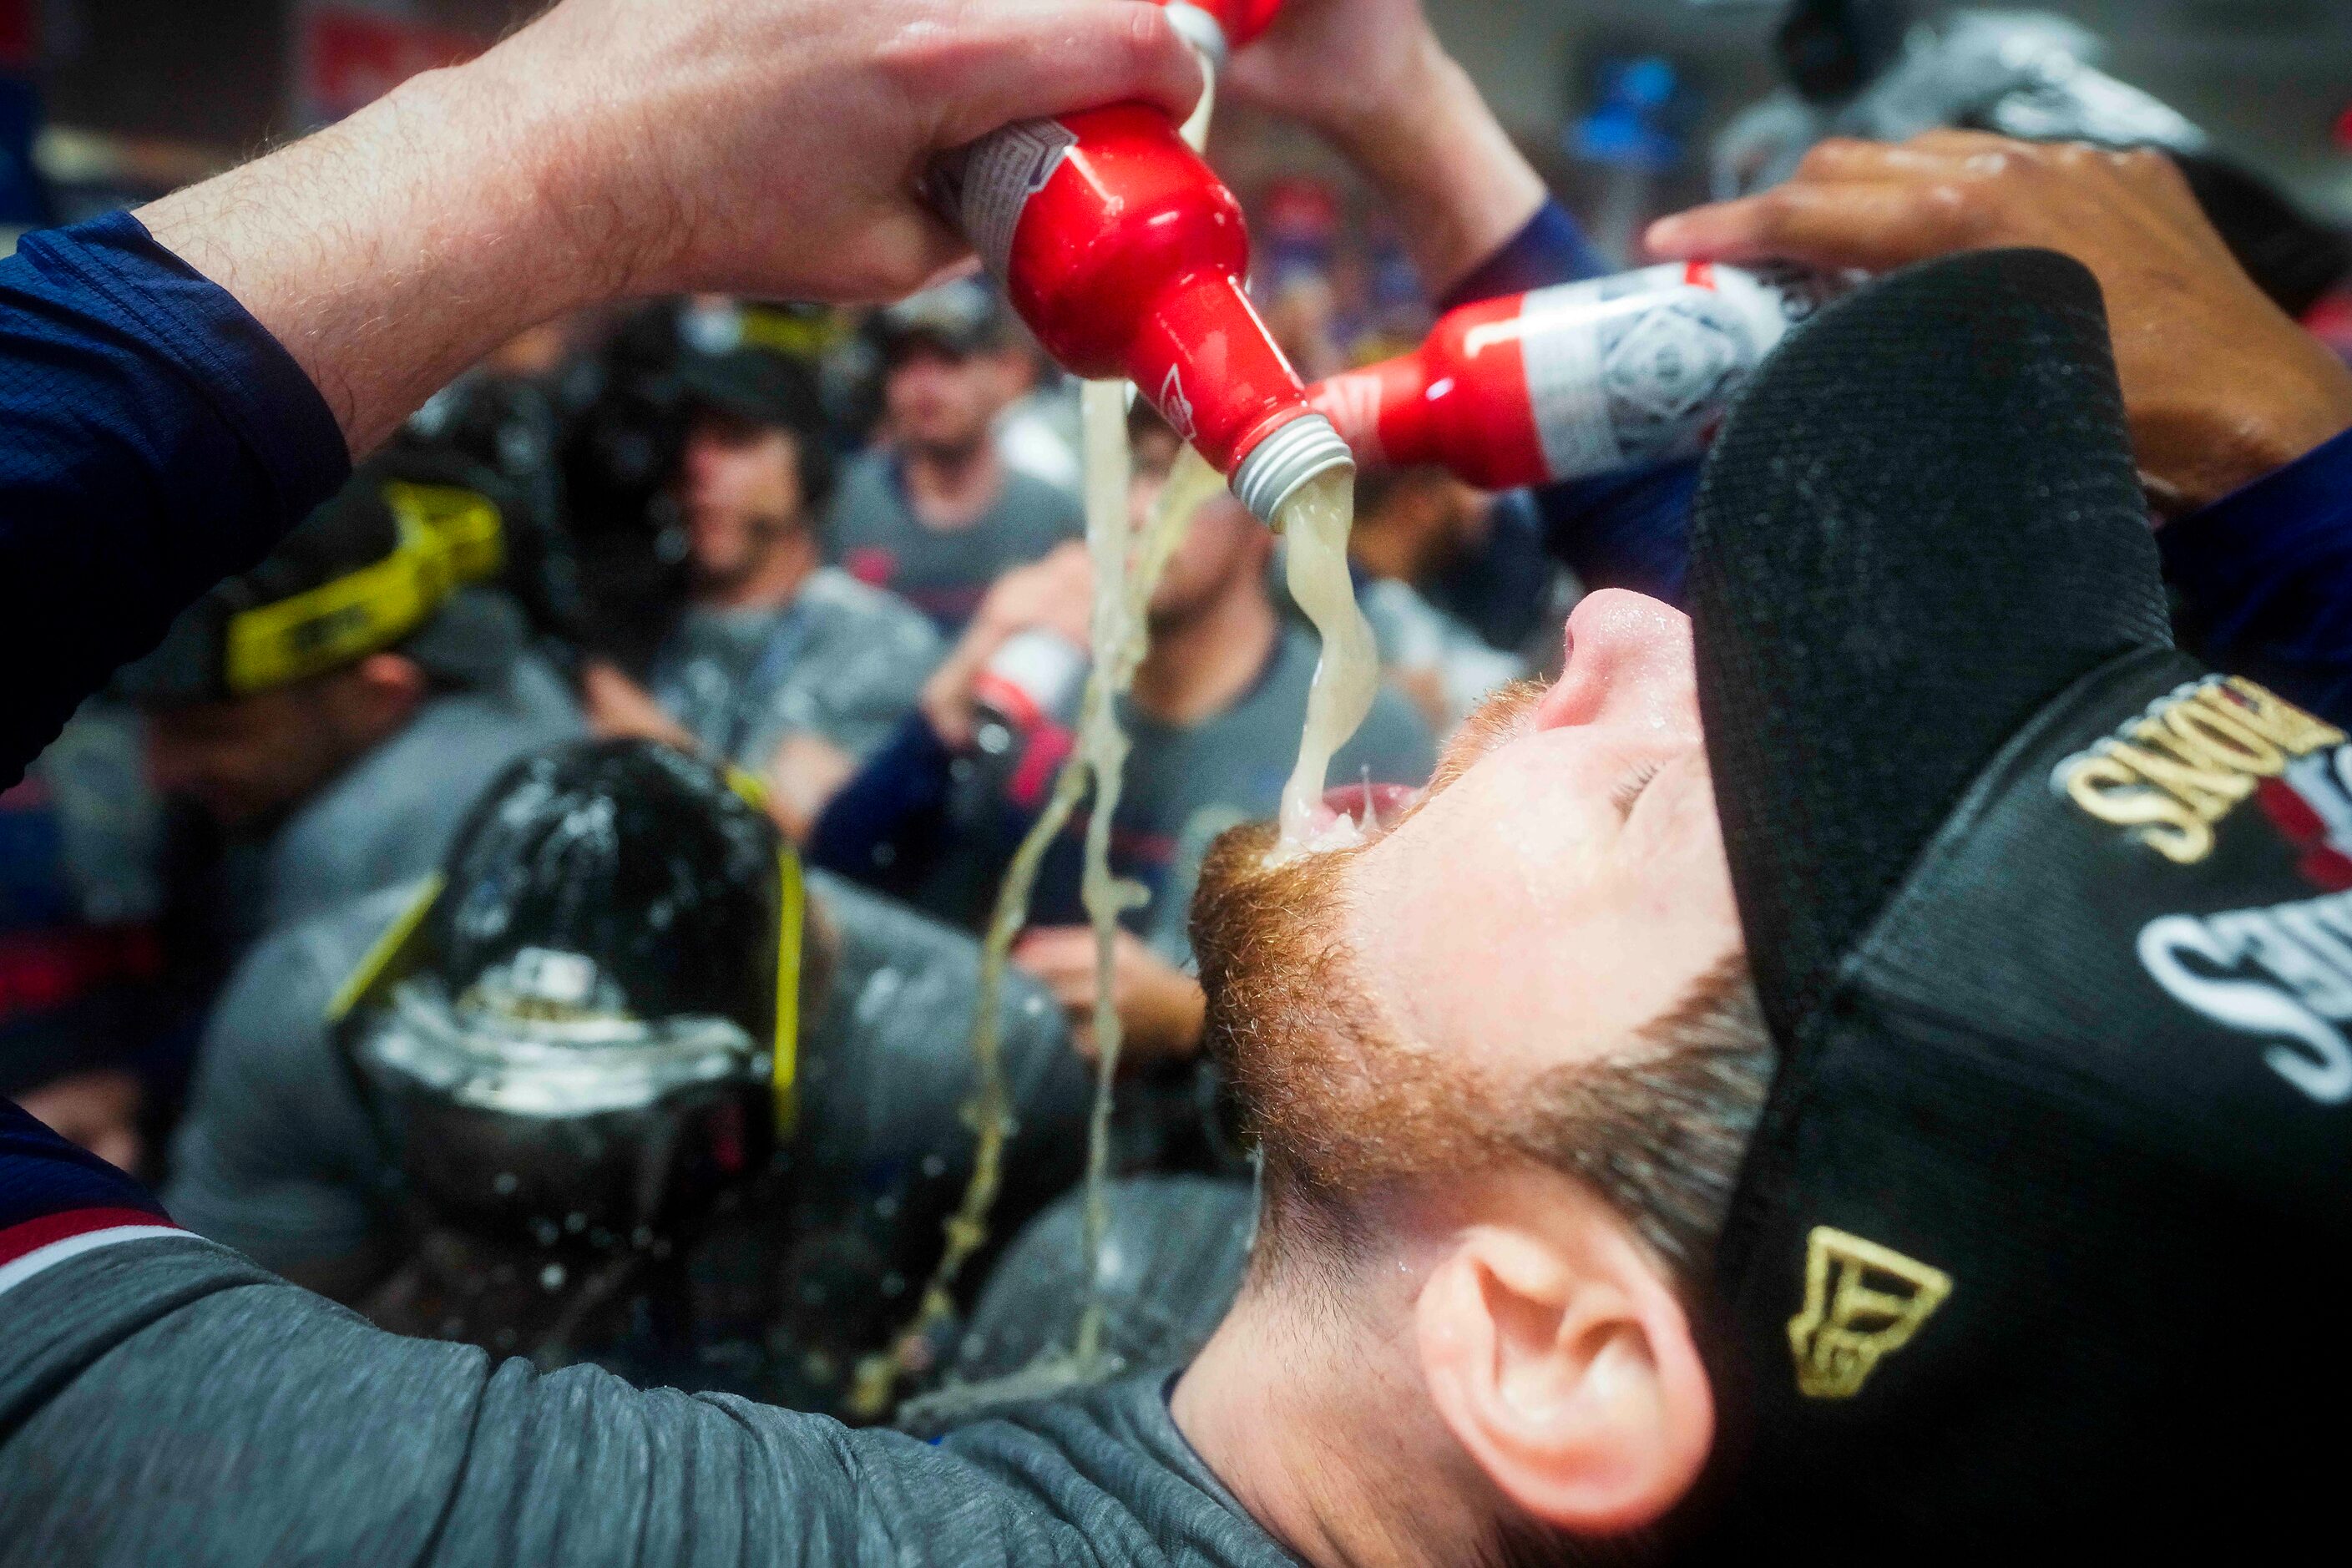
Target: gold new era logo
{"points": [[1863, 1302]]}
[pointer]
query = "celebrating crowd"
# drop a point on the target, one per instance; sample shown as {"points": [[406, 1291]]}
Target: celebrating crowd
{"points": [[518, 733]]}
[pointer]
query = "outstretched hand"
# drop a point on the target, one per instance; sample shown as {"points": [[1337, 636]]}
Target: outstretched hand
{"points": [[2221, 385], [776, 147]]}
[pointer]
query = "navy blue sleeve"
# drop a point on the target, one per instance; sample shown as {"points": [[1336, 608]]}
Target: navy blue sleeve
{"points": [[1551, 249], [57, 1200], [888, 826], [2263, 581], [1623, 531], [1620, 531], [153, 440]]}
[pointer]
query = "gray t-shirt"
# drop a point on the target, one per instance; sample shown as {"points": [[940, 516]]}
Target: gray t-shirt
{"points": [[1173, 1254], [277, 1157], [389, 816], [164, 1401], [843, 662], [875, 536]]}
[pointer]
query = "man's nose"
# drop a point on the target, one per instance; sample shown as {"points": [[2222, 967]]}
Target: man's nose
{"points": [[1629, 654]]}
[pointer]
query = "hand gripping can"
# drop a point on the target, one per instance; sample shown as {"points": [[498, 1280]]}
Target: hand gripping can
{"points": [[1125, 255], [1566, 383], [1032, 679]]}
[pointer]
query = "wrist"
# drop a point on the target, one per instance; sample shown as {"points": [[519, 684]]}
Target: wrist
{"points": [[559, 192], [1460, 185], [2191, 458]]}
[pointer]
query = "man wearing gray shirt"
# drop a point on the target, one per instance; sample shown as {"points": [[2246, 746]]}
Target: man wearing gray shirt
{"points": [[787, 668], [940, 515], [805, 1266], [336, 707]]}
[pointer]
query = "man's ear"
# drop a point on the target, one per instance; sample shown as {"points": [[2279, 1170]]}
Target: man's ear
{"points": [[1563, 1362]]}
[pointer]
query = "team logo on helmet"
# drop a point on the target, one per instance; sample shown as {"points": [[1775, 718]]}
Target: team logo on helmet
{"points": [[1863, 1303], [2188, 761]]}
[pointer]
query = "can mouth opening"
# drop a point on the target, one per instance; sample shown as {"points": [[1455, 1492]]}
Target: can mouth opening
{"points": [[1295, 453]]}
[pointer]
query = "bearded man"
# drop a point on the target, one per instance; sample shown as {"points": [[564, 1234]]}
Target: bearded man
{"points": [[2053, 1078]]}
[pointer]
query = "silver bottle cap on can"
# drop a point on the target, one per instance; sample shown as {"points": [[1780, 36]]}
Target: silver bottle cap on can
{"points": [[1287, 459], [1200, 30]]}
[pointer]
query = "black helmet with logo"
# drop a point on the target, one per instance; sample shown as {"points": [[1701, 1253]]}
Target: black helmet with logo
{"points": [[586, 1026]]}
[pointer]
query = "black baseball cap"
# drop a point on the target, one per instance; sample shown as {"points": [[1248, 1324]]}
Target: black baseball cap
{"points": [[769, 389], [755, 385], [2039, 1238], [390, 562]]}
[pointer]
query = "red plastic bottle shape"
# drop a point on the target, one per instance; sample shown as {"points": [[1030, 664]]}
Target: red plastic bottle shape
{"points": [[1573, 381], [1125, 255]]}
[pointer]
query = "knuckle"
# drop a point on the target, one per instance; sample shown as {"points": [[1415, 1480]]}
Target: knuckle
{"points": [[1774, 212], [1829, 153], [1955, 206]]}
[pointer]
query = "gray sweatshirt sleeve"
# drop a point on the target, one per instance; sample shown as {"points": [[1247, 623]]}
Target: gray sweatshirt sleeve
{"points": [[177, 1406]]}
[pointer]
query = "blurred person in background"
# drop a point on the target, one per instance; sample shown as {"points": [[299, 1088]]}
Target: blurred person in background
{"points": [[778, 663], [335, 708], [1213, 720], [511, 414], [86, 998], [1038, 434], [935, 514], [1477, 559], [1302, 313], [552, 1101]]}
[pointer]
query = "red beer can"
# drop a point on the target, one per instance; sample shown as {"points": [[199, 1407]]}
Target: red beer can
{"points": [[1570, 381], [1125, 255]]}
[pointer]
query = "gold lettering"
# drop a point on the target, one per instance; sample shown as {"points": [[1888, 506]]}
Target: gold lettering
{"points": [[2112, 790], [2204, 784], [2223, 735], [2273, 717]]}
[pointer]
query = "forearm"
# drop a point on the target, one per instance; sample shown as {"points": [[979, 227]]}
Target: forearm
{"points": [[386, 252], [1458, 187]]}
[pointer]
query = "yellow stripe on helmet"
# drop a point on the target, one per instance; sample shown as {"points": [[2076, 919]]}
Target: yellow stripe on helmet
{"points": [[791, 918], [792, 922], [397, 954]]}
